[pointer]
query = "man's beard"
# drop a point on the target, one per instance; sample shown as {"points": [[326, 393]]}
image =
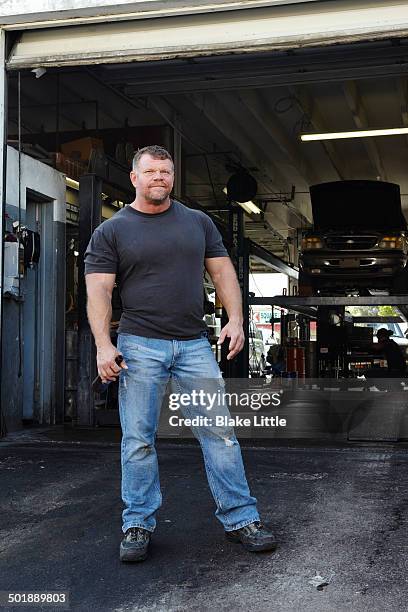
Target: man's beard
{"points": [[157, 200]]}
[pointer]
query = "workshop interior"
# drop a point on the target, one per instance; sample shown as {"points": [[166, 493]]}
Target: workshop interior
{"points": [[316, 228]]}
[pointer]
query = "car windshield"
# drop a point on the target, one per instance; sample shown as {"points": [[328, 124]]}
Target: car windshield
{"points": [[394, 327]]}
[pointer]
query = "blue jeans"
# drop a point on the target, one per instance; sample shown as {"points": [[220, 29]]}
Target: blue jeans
{"points": [[152, 363]]}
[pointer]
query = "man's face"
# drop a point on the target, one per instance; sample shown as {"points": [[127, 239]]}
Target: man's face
{"points": [[153, 178]]}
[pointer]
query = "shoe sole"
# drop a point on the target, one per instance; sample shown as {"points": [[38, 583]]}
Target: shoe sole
{"points": [[252, 547], [128, 556]]}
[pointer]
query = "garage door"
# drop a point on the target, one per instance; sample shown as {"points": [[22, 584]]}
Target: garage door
{"points": [[259, 29]]}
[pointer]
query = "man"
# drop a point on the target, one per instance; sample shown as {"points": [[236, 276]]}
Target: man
{"points": [[158, 249], [396, 364]]}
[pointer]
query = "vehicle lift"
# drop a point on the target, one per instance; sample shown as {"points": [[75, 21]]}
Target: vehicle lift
{"points": [[330, 337], [241, 249]]}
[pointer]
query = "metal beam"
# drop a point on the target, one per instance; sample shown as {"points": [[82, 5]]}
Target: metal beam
{"points": [[249, 71], [3, 164], [177, 157], [403, 308], [271, 260], [295, 300], [90, 206], [239, 252], [360, 119]]}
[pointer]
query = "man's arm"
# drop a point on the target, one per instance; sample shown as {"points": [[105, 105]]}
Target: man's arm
{"points": [[99, 288], [226, 284]]}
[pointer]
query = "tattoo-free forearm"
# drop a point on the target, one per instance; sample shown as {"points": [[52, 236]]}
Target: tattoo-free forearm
{"points": [[99, 309], [228, 290]]}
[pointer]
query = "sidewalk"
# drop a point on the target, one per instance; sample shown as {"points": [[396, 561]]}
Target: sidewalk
{"points": [[338, 512]]}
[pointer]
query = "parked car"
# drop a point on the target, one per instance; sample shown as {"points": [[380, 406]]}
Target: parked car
{"points": [[358, 242]]}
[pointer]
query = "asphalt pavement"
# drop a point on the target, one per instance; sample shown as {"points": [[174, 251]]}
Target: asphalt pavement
{"points": [[340, 515]]}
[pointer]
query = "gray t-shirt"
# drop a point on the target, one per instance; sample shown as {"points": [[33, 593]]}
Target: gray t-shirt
{"points": [[158, 260]]}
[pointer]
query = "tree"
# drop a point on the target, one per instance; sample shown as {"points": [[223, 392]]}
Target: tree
{"points": [[388, 311]]}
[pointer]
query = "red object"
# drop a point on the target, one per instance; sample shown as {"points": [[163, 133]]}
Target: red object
{"points": [[295, 360]]}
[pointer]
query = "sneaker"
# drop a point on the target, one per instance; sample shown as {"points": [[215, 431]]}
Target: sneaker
{"points": [[253, 537], [135, 544]]}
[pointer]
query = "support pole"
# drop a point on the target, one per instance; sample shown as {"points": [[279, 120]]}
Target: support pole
{"points": [[238, 367], [177, 157], [90, 207], [3, 164]]}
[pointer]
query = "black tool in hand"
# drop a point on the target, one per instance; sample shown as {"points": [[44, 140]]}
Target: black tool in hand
{"points": [[97, 385]]}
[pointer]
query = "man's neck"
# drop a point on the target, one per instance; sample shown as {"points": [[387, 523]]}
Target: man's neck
{"points": [[146, 206]]}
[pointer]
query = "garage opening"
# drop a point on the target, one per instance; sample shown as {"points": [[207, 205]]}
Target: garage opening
{"points": [[221, 116]]}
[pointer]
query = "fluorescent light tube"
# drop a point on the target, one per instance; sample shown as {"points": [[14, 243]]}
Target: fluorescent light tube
{"points": [[354, 134], [249, 206], [71, 183]]}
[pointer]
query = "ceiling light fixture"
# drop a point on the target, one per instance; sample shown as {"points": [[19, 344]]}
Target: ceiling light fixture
{"points": [[249, 207], [71, 183], [39, 72], [353, 134]]}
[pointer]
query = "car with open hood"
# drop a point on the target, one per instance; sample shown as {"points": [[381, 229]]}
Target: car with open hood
{"points": [[358, 241]]}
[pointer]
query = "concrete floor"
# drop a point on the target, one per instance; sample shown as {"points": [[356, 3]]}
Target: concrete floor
{"points": [[338, 512]]}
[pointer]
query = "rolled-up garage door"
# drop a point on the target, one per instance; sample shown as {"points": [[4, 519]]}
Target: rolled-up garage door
{"points": [[234, 31]]}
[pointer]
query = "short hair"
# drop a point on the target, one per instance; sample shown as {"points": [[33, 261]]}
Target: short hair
{"points": [[155, 151]]}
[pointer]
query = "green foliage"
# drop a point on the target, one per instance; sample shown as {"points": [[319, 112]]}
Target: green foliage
{"points": [[373, 311], [363, 311], [388, 311]]}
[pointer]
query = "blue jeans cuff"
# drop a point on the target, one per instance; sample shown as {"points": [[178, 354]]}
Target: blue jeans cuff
{"points": [[243, 524], [126, 527]]}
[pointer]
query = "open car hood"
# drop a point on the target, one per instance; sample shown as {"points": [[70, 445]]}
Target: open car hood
{"points": [[357, 205]]}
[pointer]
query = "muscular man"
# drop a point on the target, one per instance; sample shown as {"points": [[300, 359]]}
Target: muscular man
{"points": [[158, 248]]}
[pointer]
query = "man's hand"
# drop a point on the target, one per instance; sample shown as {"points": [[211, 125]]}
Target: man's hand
{"points": [[234, 331], [108, 369]]}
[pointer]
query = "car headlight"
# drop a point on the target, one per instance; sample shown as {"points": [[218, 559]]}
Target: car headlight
{"points": [[392, 242], [312, 242]]}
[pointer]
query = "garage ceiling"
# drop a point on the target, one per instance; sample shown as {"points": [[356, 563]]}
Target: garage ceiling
{"points": [[247, 110]]}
